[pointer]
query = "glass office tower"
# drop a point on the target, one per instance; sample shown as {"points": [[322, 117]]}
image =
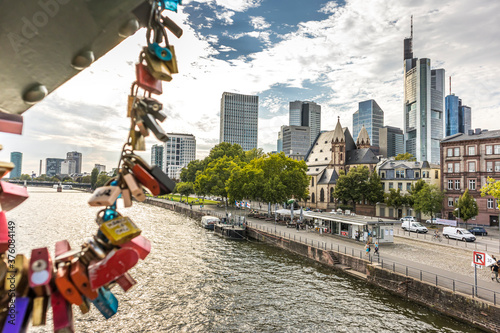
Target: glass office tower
{"points": [[239, 120], [371, 116], [303, 113]]}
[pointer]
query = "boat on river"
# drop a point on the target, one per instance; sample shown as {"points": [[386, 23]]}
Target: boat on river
{"points": [[208, 222]]}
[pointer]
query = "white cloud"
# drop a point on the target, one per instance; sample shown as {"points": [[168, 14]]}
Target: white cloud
{"points": [[259, 22], [226, 17]]}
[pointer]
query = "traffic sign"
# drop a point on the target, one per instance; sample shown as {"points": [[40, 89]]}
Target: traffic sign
{"points": [[479, 258]]}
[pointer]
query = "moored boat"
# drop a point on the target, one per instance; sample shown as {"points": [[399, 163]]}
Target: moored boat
{"points": [[208, 222]]}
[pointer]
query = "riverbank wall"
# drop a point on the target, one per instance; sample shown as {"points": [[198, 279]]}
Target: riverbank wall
{"points": [[482, 314]]}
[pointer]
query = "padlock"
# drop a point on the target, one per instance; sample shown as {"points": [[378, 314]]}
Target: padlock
{"points": [[154, 127], [162, 53], [11, 195], [95, 249], [172, 26], [18, 321], [62, 314], [66, 286], [116, 263], [143, 129], [120, 230], [4, 233], [141, 244], [106, 303], [133, 187], [5, 168], [137, 140], [81, 281], [147, 81], [68, 256], [170, 4], [166, 184], [126, 281], [40, 271], [62, 246], [157, 67], [85, 306], [172, 63], [3, 274], [104, 196], [153, 107], [131, 100], [40, 307], [126, 197], [144, 177], [17, 275]]}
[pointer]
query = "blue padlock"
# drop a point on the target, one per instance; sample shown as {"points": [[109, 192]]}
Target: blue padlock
{"points": [[106, 303], [18, 317], [160, 52], [170, 4]]}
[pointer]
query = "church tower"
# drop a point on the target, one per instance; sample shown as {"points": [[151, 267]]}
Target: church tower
{"points": [[338, 148], [363, 140]]}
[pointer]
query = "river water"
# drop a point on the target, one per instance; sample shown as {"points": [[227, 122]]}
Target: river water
{"points": [[195, 281]]}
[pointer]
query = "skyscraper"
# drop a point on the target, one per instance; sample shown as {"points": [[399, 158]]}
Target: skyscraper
{"points": [[179, 150], [157, 156], [457, 116], [279, 142], [239, 120], [371, 116], [303, 113], [423, 105], [391, 141], [53, 166], [295, 141], [68, 167], [77, 157], [17, 159]]}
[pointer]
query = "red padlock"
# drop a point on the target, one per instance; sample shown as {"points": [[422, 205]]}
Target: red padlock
{"points": [[116, 263], [62, 313], [141, 244], [62, 247], [4, 233], [146, 81], [40, 271], [126, 281], [11, 195]]}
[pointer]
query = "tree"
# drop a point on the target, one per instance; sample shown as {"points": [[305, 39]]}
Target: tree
{"points": [[492, 187], [429, 200], [232, 151], [93, 177], [467, 207], [405, 157], [252, 154], [213, 180], [188, 174], [184, 188], [395, 199], [352, 186], [25, 177], [102, 179], [375, 191], [85, 179]]}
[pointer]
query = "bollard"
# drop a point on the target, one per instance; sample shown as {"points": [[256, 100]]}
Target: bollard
{"points": [[394, 267], [494, 298], [420, 275], [353, 252], [453, 285], [406, 270], [472, 291], [436, 280]]}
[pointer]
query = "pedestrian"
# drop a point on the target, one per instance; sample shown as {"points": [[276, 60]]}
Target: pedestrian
{"points": [[376, 248], [494, 270], [367, 248], [356, 235], [297, 226]]}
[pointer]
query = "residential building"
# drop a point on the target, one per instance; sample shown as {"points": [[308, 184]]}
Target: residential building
{"points": [[68, 167], [467, 160], [16, 158], [157, 155], [53, 166], [423, 106], [179, 150], [371, 116], [391, 141], [239, 120], [295, 141], [333, 152], [77, 157], [403, 175], [304, 113], [100, 167], [457, 117]]}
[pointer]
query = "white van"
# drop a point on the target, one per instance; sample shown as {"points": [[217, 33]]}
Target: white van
{"points": [[458, 233], [413, 226]]}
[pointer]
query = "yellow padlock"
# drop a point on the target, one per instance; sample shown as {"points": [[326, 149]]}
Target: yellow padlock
{"points": [[172, 63], [40, 306], [158, 69], [119, 230]]}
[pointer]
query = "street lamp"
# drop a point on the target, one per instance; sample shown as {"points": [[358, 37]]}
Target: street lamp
{"points": [[458, 219]]}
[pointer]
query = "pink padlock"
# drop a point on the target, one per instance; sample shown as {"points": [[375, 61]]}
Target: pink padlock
{"points": [[11, 195]]}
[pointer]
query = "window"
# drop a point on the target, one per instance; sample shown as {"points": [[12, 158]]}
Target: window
{"points": [[496, 149], [322, 195], [391, 185], [383, 186], [400, 186], [490, 204], [457, 151], [450, 184], [450, 152], [408, 186], [312, 198], [382, 175], [391, 212], [382, 211], [450, 202], [497, 166], [457, 184], [450, 167], [489, 166], [457, 167], [400, 174], [472, 184], [472, 150], [417, 174], [489, 150], [312, 181], [496, 203], [436, 174], [472, 166], [408, 212]]}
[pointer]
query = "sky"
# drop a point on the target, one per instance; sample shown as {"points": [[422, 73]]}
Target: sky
{"points": [[334, 53]]}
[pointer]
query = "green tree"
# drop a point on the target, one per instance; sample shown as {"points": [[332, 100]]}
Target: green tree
{"points": [[213, 180], [467, 207], [395, 199], [55, 179], [93, 177], [429, 200], [405, 157], [188, 174], [25, 177], [102, 179], [492, 187], [232, 151], [86, 179], [252, 154], [375, 191], [184, 188], [353, 186], [42, 178]]}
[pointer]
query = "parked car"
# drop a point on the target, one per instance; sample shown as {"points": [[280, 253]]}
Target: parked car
{"points": [[458, 233], [413, 226], [478, 231], [409, 218], [431, 221]]}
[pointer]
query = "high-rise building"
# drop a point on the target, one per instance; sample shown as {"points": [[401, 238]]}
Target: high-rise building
{"points": [[391, 141], [53, 166], [423, 105], [239, 120], [296, 141], [100, 168], [77, 157], [279, 142], [68, 167], [457, 116], [371, 116], [157, 155], [179, 150], [16, 158], [303, 113]]}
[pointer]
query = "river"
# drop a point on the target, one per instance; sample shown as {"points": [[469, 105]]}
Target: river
{"points": [[195, 281]]}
